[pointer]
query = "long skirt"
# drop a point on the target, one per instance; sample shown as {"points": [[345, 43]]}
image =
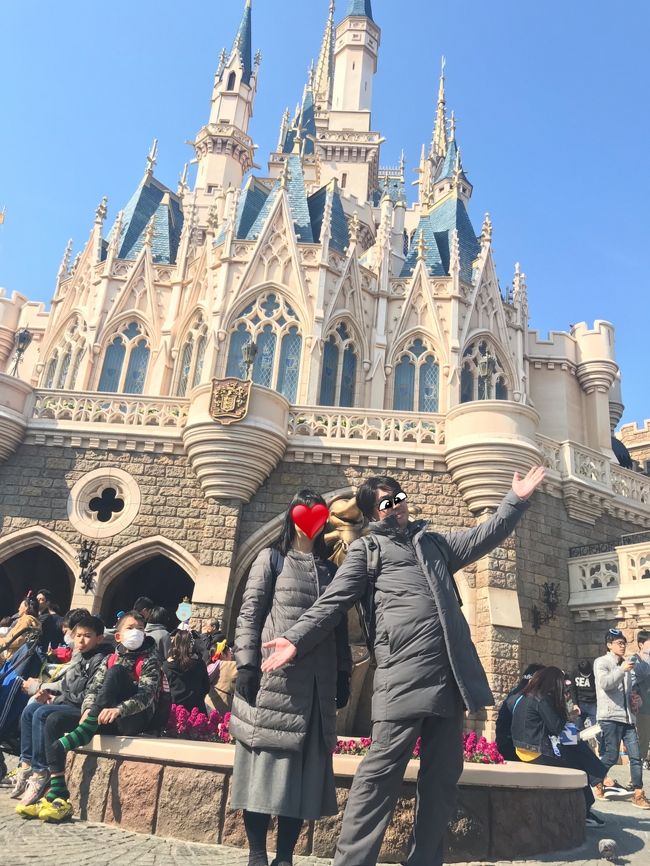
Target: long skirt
{"points": [[298, 784]]}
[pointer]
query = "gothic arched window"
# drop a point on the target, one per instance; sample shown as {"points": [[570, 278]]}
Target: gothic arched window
{"points": [[63, 367], [271, 322], [482, 376], [126, 361], [417, 379], [338, 382], [232, 80], [190, 364]]}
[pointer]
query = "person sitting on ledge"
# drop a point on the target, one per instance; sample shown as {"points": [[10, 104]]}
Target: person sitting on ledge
{"points": [[124, 695], [504, 719], [428, 669], [56, 706], [187, 674]]}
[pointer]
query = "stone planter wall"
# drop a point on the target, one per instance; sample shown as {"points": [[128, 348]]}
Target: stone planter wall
{"points": [[181, 790]]}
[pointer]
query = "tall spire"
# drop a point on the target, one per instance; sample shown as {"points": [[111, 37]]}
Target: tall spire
{"points": [[243, 43], [439, 142], [152, 159], [324, 75]]}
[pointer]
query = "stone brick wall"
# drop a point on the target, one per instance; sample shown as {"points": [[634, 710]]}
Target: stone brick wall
{"points": [[35, 483], [542, 546]]}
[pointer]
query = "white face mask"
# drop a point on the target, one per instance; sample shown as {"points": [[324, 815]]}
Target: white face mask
{"points": [[68, 640], [132, 638]]}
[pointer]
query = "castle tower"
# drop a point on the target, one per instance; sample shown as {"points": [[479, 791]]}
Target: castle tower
{"points": [[349, 149], [224, 150]]}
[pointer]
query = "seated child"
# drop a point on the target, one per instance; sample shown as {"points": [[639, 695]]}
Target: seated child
{"points": [[123, 696], [58, 659], [55, 708], [188, 675]]}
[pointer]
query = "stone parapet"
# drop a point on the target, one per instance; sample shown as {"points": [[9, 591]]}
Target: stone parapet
{"points": [[487, 442], [15, 396], [232, 461], [138, 783]]}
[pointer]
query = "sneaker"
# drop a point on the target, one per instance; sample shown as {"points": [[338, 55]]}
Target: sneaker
{"points": [[616, 791], [20, 782], [56, 811], [594, 820], [640, 800], [31, 811], [35, 789]]}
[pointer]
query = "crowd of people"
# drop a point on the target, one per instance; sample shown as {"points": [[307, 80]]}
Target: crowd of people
{"points": [[581, 720], [291, 671], [69, 677]]}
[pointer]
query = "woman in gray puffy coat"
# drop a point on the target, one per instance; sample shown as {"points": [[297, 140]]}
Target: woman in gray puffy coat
{"points": [[285, 722]]}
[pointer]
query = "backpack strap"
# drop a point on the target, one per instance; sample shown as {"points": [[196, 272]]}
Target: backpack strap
{"points": [[366, 605], [372, 557], [110, 661]]}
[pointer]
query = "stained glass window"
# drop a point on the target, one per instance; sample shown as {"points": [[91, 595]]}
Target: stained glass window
{"points": [[349, 378], [482, 376], [112, 368], [63, 369], [200, 358], [75, 369], [404, 385], [136, 372], [51, 371], [289, 371], [329, 373], [186, 362], [238, 340], [263, 366], [429, 386]]}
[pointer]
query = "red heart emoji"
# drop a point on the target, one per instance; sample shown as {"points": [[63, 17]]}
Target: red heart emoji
{"points": [[310, 520]]}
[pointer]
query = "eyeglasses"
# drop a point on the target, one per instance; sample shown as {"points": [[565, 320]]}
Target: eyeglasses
{"points": [[390, 502]]}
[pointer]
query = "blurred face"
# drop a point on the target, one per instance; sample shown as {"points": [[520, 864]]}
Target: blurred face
{"points": [[389, 503], [618, 647], [85, 639], [644, 647], [42, 602], [22, 608]]}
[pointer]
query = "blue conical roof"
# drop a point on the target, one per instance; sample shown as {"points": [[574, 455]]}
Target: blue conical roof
{"points": [[437, 227], [151, 199], [244, 42], [307, 123], [360, 8]]}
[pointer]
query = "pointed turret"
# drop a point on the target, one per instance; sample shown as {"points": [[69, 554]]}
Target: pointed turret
{"points": [[451, 174], [303, 128], [223, 148], [324, 74], [356, 51], [439, 141], [360, 9]]}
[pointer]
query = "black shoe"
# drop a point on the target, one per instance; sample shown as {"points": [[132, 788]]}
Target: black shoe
{"points": [[594, 820]]}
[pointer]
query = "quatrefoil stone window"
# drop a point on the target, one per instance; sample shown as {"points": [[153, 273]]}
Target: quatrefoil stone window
{"points": [[103, 503]]}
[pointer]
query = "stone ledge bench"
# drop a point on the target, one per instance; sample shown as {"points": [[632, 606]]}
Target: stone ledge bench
{"points": [[179, 789]]}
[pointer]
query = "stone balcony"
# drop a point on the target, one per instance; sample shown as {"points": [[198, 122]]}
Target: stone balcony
{"points": [[611, 580]]}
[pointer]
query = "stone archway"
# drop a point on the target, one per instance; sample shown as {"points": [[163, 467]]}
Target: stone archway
{"points": [[31, 559], [156, 567]]}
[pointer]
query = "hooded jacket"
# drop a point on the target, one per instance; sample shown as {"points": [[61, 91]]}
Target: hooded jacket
{"points": [[423, 641], [75, 679], [282, 711], [161, 637], [148, 683]]}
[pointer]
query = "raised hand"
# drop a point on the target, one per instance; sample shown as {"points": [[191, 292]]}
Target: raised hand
{"points": [[284, 652], [525, 487]]}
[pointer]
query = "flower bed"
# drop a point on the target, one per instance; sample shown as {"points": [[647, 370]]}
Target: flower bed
{"points": [[215, 728]]}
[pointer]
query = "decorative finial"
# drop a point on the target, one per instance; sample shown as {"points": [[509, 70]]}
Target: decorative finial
{"points": [[458, 168], [452, 126], [65, 261], [222, 63], [284, 177], [213, 219], [152, 158], [486, 230], [454, 253], [422, 247], [402, 165], [355, 228], [182, 180], [258, 57], [150, 231], [75, 263], [310, 75], [102, 210]]}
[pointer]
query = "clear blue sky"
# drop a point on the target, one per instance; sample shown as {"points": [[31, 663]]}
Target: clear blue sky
{"points": [[551, 99]]}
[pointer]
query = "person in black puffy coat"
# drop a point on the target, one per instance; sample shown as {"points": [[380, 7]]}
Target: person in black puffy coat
{"points": [[187, 674]]}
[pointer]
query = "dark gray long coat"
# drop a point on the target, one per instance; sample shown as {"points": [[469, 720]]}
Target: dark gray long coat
{"points": [[407, 681], [281, 716]]}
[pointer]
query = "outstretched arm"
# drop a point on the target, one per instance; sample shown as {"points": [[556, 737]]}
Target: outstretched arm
{"points": [[315, 624], [468, 546]]}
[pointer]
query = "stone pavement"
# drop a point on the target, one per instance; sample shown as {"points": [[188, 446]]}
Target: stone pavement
{"points": [[78, 843]]}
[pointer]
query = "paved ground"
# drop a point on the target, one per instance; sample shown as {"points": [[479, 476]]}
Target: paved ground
{"points": [[27, 843]]}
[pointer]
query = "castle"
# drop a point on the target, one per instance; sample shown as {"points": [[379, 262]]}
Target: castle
{"points": [[378, 339]]}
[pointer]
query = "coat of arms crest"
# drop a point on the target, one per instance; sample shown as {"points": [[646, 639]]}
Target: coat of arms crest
{"points": [[229, 400]]}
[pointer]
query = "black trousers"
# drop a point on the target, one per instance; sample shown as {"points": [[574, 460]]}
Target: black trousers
{"points": [[56, 725]]}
